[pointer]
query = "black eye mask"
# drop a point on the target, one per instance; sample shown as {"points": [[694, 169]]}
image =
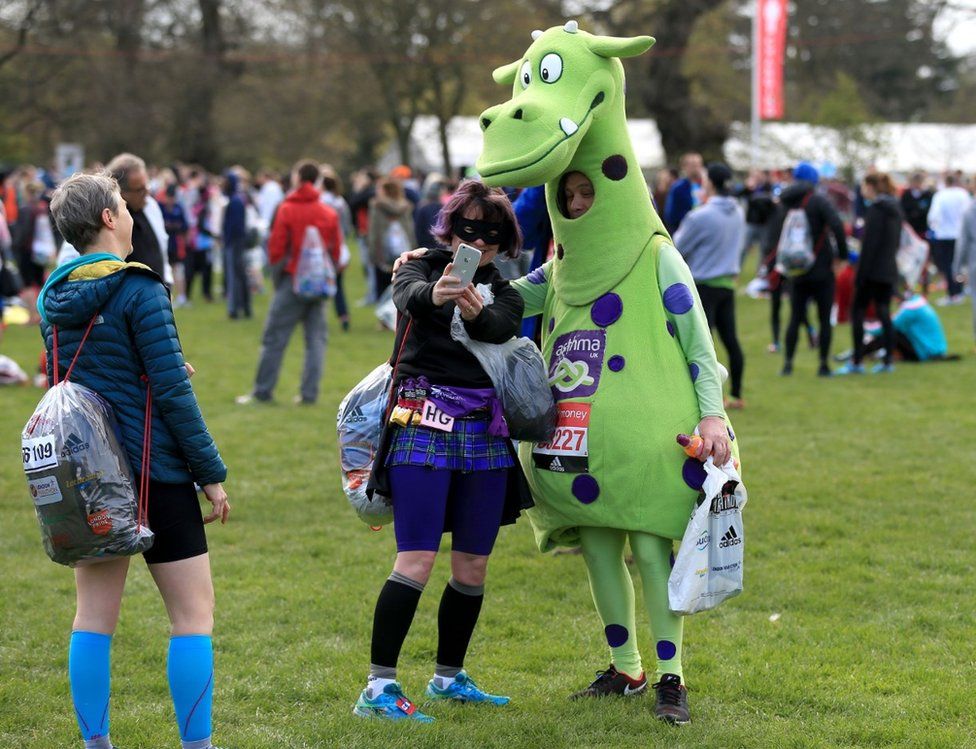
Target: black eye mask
{"points": [[490, 232]]}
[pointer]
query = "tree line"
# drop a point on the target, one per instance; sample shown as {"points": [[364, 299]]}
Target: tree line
{"points": [[263, 83]]}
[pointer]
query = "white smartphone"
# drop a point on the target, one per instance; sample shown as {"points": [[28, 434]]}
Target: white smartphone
{"points": [[466, 261]]}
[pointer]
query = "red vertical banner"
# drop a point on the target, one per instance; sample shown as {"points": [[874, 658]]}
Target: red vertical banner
{"points": [[771, 57]]}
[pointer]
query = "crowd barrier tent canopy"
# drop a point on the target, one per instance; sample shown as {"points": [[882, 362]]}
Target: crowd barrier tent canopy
{"points": [[899, 148]]}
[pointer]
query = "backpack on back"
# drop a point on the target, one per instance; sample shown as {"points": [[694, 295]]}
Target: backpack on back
{"points": [[795, 253], [315, 275], [395, 240]]}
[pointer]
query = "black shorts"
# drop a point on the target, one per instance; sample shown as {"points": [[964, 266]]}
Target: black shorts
{"points": [[176, 521]]}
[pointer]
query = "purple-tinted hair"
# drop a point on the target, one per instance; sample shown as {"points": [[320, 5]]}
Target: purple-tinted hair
{"points": [[494, 206]]}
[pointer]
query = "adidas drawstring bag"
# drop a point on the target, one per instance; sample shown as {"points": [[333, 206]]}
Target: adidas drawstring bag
{"points": [[359, 426], [79, 477], [708, 567]]}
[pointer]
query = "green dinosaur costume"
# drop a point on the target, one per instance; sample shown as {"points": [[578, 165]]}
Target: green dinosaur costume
{"points": [[630, 355]]}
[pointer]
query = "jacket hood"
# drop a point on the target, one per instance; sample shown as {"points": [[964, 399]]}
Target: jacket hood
{"points": [[724, 203], [304, 193], [232, 183], [793, 195], [393, 207], [888, 204], [77, 290]]}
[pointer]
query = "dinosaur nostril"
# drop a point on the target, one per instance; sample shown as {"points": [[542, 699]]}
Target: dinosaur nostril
{"points": [[485, 122], [518, 114], [597, 100]]}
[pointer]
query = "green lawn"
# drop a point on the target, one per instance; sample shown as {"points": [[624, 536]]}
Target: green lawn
{"points": [[860, 537]]}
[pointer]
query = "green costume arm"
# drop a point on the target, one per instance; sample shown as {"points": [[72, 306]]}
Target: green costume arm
{"points": [[691, 330], [534, 288]]}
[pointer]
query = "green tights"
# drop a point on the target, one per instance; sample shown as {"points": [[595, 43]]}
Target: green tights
{"points": [[613, 594]]}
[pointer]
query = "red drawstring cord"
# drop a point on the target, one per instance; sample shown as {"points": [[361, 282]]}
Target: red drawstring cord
{"points": [[143, 507], [146, 449], [54, 333]]}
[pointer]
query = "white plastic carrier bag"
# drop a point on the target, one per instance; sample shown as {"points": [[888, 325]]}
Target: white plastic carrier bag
{"points": [[709, 565], [913, 253], [359, 426], [315, 275], [518, 373]]}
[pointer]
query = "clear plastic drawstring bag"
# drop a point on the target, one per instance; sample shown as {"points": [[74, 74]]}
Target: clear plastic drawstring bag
{"points": [[359, 426], [518, 373], [79, 479]]}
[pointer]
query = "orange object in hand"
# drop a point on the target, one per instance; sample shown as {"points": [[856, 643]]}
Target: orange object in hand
{"points": [[690, 443]]}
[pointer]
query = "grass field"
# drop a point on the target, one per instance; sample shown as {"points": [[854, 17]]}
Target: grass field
{"points": [[860, 538]]}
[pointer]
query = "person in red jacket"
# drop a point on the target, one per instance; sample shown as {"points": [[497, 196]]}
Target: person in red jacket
{"points": [[302, 208]]}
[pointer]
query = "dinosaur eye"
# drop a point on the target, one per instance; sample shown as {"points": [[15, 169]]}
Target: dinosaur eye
{"points": [[551, 68], [525, 74]]}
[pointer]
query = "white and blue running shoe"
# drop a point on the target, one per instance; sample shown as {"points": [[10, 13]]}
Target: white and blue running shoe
{"points": [[463, 689], [390, 704]]}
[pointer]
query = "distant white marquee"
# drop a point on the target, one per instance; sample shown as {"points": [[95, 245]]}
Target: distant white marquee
{"points": [[894, 147]]}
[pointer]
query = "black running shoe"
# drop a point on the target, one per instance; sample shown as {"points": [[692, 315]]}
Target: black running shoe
{"points": [[612, 682], [671, 704]]}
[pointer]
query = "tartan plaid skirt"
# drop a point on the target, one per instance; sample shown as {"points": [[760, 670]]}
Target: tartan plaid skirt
{"points": [[467, 448]]}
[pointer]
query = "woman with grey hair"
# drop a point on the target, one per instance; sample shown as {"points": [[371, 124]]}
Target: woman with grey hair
{"points": [[116, 318]]}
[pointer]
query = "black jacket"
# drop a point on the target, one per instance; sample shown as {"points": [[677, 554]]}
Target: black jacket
{"points": [[916, 210], [429, 349], [825, 226], [424, 347], [882, 235]]}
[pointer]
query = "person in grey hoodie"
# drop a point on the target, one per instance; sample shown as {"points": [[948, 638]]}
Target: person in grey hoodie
{"points": [[966, 253], [710, 239]]}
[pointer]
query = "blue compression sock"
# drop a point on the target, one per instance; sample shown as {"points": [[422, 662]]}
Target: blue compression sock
{"points": [[190, 672], [89, 656]]}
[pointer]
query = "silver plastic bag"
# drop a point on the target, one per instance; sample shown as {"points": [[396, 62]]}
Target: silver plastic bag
{"points": [[79, 479], [709, 565], [359, 426], [518, 372]]}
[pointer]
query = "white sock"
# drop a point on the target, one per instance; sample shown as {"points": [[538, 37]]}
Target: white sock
{"points": [[375, 686]]}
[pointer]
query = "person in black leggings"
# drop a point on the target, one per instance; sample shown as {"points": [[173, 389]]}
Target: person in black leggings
{"points": [[710, 240], [817, 284], [877, 271]]}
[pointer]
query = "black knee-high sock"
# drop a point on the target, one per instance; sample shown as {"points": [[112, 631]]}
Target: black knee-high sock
{"points": [[395, 608], [456, 620]]}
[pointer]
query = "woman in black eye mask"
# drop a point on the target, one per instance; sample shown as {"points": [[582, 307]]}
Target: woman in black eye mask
{"points": [[445, 459]]}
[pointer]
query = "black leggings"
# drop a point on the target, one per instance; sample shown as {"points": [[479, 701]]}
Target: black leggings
{"points": [[775, 302], [821, 292], [902, 345], [879, 293], [719, 307]]}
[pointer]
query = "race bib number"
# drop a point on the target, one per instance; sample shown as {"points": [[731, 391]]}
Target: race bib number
{"points": [[431, 416], [568, 450], [39, 453]]}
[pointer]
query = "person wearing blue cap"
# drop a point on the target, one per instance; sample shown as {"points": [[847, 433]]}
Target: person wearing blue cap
{"points": [[817, 283]]}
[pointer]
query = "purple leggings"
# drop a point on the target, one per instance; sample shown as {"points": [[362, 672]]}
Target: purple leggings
{"points": [[423, 498]]}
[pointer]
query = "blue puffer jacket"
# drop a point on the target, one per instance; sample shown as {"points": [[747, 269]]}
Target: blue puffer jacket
{"points": [[134, 334]]}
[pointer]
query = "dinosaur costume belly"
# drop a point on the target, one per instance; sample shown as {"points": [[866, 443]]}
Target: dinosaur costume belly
{"points": [[618, 359]]}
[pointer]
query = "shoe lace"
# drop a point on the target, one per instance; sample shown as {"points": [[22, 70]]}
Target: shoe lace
{"points": [[668, 692], [606, 675]]}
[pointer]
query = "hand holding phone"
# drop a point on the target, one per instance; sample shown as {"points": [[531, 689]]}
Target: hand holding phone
{"points": [[465, 263]]}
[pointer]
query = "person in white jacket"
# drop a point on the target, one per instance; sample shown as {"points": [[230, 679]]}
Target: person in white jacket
{"points": [[945, 221], [965, 258]]}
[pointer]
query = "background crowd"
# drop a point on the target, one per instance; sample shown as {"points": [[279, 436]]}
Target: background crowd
{"points": [[190, 224]]}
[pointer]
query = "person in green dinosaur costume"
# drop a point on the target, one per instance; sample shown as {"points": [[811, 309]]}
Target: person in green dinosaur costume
{"points": [[630, 355]]}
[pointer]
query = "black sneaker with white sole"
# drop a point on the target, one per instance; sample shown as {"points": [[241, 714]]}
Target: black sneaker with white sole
{"points": [[671, 703], [613, 682]]}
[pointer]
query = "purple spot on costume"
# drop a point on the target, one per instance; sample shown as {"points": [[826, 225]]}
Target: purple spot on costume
{"points": [[616, 363], [585, 488], [607, 310], [693, 472], [678, 298], [616, 634]]}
